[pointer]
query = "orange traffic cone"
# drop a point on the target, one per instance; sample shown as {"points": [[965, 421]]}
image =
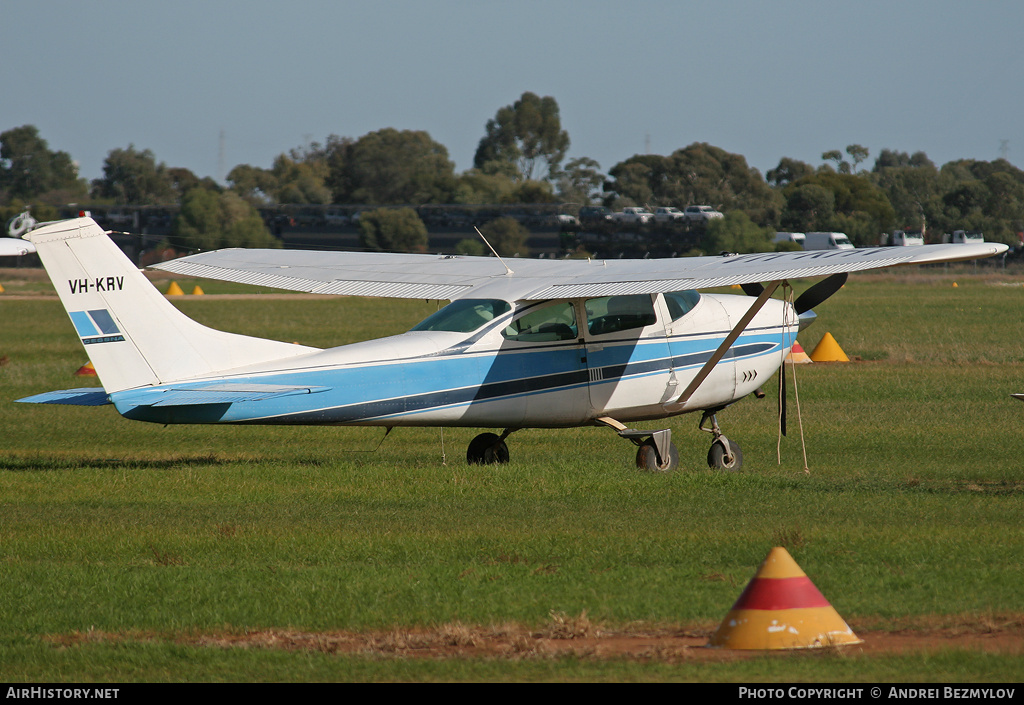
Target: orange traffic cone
{"points": [[175, 290], [781, 609], [197, 291], [86, 370], [797, 354], [828, 350]]}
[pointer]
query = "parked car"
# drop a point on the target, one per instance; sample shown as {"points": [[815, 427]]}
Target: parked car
{"points": [[595, 216], [566, 222], [668, 214], [697, 214], [336, 218], [633, 215]]}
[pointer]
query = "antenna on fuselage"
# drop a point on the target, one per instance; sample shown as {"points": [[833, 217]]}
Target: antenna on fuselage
{"points": [[508, 270]]}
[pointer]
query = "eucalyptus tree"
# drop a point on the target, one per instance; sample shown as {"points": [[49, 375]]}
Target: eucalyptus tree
{"points": [[29, 170], [133, 177], [527, 134], [391, 167]]}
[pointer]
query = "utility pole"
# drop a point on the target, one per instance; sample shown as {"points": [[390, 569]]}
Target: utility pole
{"points": [[220, 159]]}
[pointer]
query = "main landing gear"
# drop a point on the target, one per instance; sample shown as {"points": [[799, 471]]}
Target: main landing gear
{"points": [[655, 450], [488, 448], [657, 453]]}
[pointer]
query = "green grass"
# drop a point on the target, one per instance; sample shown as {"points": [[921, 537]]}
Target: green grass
{"points": [[909, 511]]}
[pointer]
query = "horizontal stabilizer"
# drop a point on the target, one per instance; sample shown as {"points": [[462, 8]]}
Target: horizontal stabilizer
{"points": [[90, 396], [213, 394]]}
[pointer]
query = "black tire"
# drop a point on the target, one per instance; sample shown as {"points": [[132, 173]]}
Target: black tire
{"points": [[487, 449], [647, 458], [717, 459]]}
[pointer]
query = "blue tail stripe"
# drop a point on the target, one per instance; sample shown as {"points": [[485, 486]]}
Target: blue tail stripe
{"points": [[83, 324], [105, 321]]}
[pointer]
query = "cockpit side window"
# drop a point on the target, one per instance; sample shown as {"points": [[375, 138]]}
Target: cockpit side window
{"points": [[464, 315], [681, 303], [544, 324], [611, 314]]}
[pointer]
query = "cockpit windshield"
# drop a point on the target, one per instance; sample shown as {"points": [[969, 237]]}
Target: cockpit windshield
{"points": [[464, 315], [680, 302]]}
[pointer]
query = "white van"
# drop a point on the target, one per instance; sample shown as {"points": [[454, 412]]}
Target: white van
{"points": [[798, 238], [827, 241]]}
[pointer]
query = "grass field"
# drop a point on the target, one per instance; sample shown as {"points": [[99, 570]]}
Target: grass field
{"points": [[135, 552]]}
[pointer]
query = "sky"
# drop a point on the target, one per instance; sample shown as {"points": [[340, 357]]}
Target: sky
{"points": [[210, 84]]}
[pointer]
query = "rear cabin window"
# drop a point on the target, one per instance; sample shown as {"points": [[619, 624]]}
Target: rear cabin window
{"points": [[681, 302], [611, 314], [544, 324], [464, 315]]}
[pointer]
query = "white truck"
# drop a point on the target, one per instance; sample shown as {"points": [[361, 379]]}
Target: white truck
{"points": [[963, 237], [701, 214], [666, 215], [827, 241], [633, 215], [906, 238]]}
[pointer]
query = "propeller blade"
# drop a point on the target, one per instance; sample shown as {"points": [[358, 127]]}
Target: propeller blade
{"points": [[752, 288], [819, 292]]}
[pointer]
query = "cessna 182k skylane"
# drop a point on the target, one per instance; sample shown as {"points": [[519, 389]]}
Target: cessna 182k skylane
{"points": [[527, 343]]}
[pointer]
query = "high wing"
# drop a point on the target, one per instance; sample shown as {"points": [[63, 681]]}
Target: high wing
{"points": [[415, 276]]}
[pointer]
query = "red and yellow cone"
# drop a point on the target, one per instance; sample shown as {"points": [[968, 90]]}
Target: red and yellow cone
{"points": [[781, 609], [86, 370], [828, 350], [797, 354]]}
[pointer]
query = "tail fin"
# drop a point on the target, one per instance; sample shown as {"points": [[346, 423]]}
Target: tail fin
{"points": [[133, 335]]}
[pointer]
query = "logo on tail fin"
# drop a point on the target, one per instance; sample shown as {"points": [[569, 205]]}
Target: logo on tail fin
{"points": [[96, 326]]}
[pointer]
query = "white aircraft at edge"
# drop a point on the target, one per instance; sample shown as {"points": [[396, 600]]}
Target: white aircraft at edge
{"points": [[15, 247], [527, 344]]}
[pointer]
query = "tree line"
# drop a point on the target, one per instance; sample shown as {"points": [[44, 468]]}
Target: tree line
{"points": [[520, 159]]}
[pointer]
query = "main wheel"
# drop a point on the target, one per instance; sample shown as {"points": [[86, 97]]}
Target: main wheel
{"points": [[647, 457], [717, 456], [487, 449]]}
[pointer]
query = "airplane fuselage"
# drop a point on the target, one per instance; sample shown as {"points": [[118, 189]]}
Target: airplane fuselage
{"points": [[544, 364]]}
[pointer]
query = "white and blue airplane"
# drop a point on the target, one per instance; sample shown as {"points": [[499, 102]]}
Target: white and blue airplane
{"points": [[524, 344]]}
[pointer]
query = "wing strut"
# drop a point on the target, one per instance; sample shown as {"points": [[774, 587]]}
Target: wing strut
{"points": [[765, 294]]}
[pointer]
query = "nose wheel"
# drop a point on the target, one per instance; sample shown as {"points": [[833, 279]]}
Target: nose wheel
{"points": [[724, 454]]}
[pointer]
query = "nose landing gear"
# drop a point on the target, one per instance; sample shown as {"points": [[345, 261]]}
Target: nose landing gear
{"points": [[724, 454]]}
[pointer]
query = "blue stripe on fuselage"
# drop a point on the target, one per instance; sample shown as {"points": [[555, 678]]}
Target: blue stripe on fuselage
{"points": [[370, 393]]}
